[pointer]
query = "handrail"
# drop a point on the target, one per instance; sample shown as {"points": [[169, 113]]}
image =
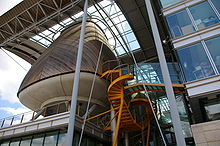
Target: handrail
{"points": [[30, 115]]}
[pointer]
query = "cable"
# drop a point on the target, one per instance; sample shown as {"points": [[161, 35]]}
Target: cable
{"points": [[138, 69], [13, 59], [91, 92]]}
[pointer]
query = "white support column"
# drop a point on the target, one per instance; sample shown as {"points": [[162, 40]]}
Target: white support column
{"points": [[168, 85], [126, 139], [70, 133], [113, 123]]}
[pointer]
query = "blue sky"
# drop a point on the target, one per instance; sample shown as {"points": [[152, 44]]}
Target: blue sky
{"points": [[11, 75]]}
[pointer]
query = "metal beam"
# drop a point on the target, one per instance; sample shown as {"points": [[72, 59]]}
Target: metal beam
{"points": [[20, 22], [70, 133], [37, 23], [165, 72], [30, 16]]}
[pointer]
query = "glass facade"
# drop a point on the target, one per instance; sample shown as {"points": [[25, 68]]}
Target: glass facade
{"points": [[53, 138], [195, 67], [180, 24], [216, 3], [212, 108], [166, 3], [203, 15], [213, 46], [151, 73], [193, 18]]}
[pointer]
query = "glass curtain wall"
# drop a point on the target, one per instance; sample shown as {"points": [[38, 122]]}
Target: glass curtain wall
{"points": [[195, 67], [203, 15], [193, 18], [166, 3], [53, 138], [213, 46], [216, 3], [180, 24]]}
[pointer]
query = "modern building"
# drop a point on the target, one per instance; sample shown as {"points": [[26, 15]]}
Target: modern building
{"points": [[121, 76]]}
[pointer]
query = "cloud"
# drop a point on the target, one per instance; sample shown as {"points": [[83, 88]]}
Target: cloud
{"points": [[11, 76], [14, 111]]}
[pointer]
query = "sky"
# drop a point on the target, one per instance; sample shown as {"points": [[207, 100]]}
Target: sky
{"points": [[11, 74]]}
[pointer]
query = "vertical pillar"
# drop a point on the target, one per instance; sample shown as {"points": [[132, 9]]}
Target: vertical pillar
{"points": [[126, 139], [70, 133], [168, 85], [113, 124]]}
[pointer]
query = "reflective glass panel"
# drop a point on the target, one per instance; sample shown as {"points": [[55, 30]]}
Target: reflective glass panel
{"points": [[203, 15], [38, 140], [180, 24], [51, 138], [194, 62], [15, 142], [212, 108], [62, 138], [26, 141], [213, 46], [217, 4], [5, 143], [166, 3]]}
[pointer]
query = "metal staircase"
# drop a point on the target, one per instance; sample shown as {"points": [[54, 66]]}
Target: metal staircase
{"points": [[126, 122]]}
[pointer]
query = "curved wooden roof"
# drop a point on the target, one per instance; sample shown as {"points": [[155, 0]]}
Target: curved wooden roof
{"points": [[60, 57]]}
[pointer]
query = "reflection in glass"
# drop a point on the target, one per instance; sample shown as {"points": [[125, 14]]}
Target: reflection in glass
{"points": [[203, 15], [212, 108], [51, 139], [166, 3], [195, 67], [38, 140], [26, 141], [216, 4], [164, 112], [180, 24], [213, 46], [5, 143], [15, 142], [151, 73], [62, 138]]}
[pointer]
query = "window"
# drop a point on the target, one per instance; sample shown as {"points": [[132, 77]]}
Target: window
{"points": [[26, 141], [180, 24], [213, 46], [15, 142], [216, 4], [38, 140], [62, 138], [211, 108], [166, 3], [51, 139], [5, 143], [203, 15], [195, 67]]}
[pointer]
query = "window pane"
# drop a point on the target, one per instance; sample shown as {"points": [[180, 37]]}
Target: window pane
{"points": [[166, 3], [15, 142], [5, 143], [26, 141], [212, 108], [217, 4], [180, 24], [203, 15], [51, 139], [195, 67], [38, 140], [62, 138], [213, 46]]}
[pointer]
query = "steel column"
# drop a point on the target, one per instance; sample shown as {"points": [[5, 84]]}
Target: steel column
{"points": [[70, 133], [168, 85]]}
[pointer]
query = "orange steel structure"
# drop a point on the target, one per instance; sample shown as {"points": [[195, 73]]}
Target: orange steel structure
{"points": [[117, 90]]}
